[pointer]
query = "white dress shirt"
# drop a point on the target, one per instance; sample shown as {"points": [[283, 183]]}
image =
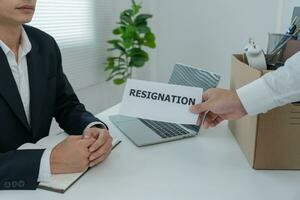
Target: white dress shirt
{"points": [[19, 70], [274, 89]]}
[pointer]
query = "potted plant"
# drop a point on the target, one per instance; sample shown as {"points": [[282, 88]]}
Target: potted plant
{"points": [[133, 35]]}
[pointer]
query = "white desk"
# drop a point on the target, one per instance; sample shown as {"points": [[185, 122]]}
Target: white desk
{"points": [[210, 166]]}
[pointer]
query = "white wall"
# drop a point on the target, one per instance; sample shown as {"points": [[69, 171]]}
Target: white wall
{"points": [[206, 33]]}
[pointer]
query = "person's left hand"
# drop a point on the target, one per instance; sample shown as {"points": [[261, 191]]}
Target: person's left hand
{"points": [[101, 148]]}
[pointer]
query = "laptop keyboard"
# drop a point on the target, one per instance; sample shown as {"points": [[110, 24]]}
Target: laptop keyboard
{"points": [[163, 129]]}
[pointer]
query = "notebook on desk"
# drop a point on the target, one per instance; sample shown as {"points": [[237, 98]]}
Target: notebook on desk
{"points": [[60, 182]]}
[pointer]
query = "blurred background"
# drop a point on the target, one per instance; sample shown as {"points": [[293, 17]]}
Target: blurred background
{"points": [[201, 33]]}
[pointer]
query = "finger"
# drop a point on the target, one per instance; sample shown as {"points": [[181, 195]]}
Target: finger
{"points": [[91, 132], [103, 137], [200, 119], [99, 160], [217, 121], [87, 135], [74, 137], [209, 120], [87, 142], [206, 123], [101, 151], [200, 108], [213, 116], [205, 95], [214, 124]]}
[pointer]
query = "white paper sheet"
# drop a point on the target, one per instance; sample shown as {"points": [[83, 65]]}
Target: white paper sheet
{"points": [[160, 101]]}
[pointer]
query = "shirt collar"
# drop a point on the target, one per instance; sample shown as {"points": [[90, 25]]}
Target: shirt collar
{"points": [[25, 42], [25, 45], [4, 47]]}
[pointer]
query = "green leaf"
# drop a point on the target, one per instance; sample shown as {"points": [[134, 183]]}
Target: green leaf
{"points": [[138, 57], [127, 43], [128, 36], [119, 47], [127, 12], [137, 52], [135, 7], [150, 36], [143, 28], [107, 68], [150, 44], [122, 23], [137, 37], [137, 62], [119, 81], [126, 17], [109, 59], [129, 32], [133, 3], [126, 20], [110, 63], [115, 41], [117, 31], [150, 40], [142, 19]]}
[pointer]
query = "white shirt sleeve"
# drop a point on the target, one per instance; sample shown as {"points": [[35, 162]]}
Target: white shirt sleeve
{"points": [[274, 89], [45, 171], [93, 124]]}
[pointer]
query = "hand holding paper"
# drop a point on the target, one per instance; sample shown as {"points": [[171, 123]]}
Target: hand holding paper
{"points": [[160, 101], [222, 105]]}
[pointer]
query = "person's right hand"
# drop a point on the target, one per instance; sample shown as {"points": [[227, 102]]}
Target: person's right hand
{"points": [[221, 105], [71, 155]]}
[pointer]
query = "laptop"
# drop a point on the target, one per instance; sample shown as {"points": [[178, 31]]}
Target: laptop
{"points": [[144, 132]]}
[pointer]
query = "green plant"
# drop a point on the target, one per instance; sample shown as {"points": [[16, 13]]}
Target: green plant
{"points": [[133, 33]]}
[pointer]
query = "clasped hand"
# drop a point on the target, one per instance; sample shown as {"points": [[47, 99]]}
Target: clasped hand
{"points": [[77, 153]]}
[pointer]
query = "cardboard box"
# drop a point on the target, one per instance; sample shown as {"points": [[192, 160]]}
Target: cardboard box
{"points": [[270, 140]]}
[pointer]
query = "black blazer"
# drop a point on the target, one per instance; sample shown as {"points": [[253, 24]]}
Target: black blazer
{"points": [[51, 95]]}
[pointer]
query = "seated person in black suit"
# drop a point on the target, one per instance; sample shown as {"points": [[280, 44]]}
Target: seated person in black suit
{"points": [[33, 90]]}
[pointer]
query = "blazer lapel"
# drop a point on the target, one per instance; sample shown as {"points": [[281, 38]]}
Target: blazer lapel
{"points": [[37, 73], [9, 90]]}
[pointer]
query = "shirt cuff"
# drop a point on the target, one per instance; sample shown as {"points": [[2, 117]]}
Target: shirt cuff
{"points": [[45, 171], [102, 125], [256, 97]]}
